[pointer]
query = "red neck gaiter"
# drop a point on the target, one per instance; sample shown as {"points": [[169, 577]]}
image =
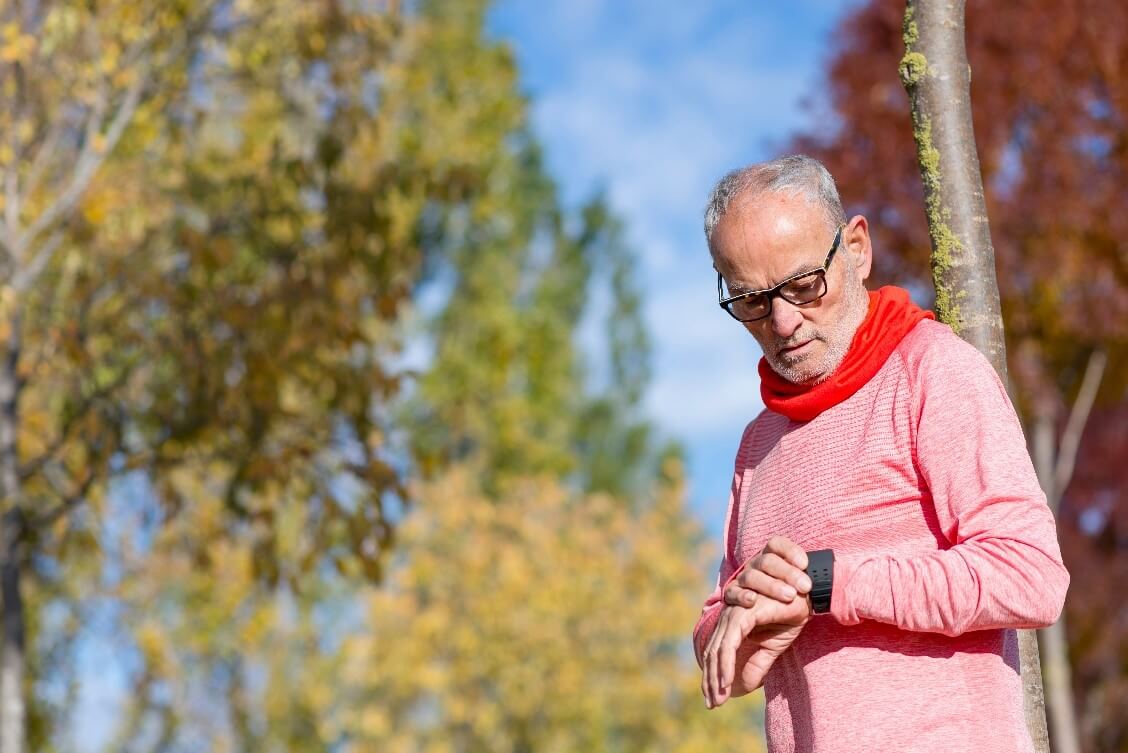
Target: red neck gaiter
{"points": [[890, 317]]}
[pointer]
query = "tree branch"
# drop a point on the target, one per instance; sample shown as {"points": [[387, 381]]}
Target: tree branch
{"points": [[90, 159], [12, 173], [1042, 452], [32, 467], [45, 150], [70, 500], [11, 202], [1075, 426], [26, 276]]}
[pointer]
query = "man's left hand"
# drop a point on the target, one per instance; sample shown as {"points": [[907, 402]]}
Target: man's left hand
{"points": [[777, 572]]}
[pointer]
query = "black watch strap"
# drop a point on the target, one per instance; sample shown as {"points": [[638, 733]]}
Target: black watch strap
{"points": [[820, 569]]}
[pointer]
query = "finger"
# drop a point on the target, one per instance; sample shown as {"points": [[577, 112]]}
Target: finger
{"points": [[714, 657], [706, 672], [709, 671], [726, 653], [788, 550], [727, 627], [739, 596], [705, 665], [711, 678], [716, 694], [758, 581], [777, 567]]}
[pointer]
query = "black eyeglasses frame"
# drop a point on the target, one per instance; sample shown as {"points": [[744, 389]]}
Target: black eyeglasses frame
{"points": [[777, 290]]}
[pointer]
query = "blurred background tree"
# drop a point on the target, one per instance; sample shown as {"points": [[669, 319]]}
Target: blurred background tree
{"points": [[1049, 101], [216, 217], [73, 79]]}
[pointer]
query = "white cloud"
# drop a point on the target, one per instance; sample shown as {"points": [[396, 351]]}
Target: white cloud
{"points": [[706, 379], [659, 142]]}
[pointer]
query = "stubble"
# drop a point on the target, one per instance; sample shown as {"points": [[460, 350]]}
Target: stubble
{"points": [[836, 338]]}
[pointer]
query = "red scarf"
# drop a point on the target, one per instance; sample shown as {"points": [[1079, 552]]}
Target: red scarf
{"points": [[890, 317]]}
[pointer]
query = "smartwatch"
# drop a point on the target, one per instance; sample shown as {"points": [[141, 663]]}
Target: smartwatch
{"points": [[820, 569]]}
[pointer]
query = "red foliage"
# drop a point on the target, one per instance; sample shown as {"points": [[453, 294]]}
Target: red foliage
{"points": [[1093, 525], [1050, 106]]}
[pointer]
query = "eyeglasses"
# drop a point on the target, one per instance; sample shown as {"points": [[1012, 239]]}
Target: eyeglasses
{"points": [[800, 289]]}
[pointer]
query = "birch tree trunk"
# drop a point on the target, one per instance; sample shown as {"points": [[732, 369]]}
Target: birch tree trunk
{"points": [[30, 238], [937, 77], [1055, 461], [13, 713], [13, 708]]}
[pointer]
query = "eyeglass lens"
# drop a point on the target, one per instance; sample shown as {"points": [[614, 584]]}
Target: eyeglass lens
{"points": [[805, 289]]}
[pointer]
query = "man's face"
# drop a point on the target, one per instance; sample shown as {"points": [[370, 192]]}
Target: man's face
{"points": [[762, 242]]}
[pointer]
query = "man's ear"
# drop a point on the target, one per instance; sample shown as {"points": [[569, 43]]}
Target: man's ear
{"points": [[856, 242]]}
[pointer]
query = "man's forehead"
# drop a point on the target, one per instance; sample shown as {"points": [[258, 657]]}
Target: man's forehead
{"points": [[763, 242], [774, 214]]}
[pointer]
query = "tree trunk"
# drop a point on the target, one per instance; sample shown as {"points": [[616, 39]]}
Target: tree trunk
{"points": [[13, 715], [1059, 688], [1052, 640], [1054, 461], [937, 77]]}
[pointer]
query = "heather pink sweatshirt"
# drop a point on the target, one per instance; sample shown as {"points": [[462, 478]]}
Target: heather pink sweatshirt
{"points": [[922, 485]]}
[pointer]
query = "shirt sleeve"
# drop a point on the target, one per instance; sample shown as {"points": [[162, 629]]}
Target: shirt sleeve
{"points": [[1003, 568], [729, 568]]}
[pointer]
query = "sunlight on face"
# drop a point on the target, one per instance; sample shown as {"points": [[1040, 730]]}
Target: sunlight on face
{"points": [[771, 237]]}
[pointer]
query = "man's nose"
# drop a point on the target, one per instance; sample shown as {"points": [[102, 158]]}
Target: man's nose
{"points": [[786, 318]]}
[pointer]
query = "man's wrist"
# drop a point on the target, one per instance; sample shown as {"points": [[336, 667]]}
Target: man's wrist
{"points": [[820, 569]]}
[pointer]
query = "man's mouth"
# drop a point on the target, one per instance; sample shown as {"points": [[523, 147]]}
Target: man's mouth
{"points": [[794, 349]]}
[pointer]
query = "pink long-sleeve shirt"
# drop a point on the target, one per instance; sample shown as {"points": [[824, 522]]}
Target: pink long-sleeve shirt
{"points": [[922, 485]]}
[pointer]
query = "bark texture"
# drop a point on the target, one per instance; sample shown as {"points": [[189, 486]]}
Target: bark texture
{"points": [[1055, 460], [937, 77], [13, 713]]}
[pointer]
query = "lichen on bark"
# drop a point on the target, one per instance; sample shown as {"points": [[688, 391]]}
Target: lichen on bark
{"points": [[946, 244], [909, 33], [913, 66], [912, 69]]}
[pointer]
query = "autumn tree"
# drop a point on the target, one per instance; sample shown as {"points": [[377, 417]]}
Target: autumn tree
{"points": [[1048, 96], [539, 619], [72, 79], [937, 78], [220, 321], [508, 387], [212, 216]]}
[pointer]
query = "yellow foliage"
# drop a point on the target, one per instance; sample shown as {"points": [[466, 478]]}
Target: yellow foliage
{"points": [[15, 45], [152, 641], [220, 311], [542, 621]]}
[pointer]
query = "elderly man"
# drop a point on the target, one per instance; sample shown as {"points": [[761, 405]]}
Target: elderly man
{"points": [[886, 533]]}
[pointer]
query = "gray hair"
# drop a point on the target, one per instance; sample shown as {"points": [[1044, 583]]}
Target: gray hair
{"points": [[796, 174]]}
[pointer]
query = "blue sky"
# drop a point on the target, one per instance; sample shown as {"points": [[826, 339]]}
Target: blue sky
{"points": [[652, 102]]}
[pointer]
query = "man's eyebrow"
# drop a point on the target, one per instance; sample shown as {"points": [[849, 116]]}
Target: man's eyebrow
{"points": [[737, 288], [800, 269]]}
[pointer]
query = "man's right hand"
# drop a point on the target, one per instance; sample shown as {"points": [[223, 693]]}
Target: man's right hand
{"points": [[770, 643], [778, 572], [764, 631]]}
